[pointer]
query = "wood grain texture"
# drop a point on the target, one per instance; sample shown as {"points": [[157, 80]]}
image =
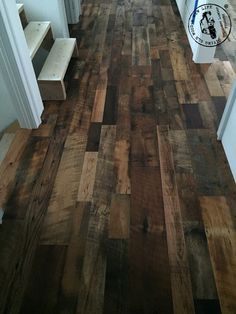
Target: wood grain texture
{"points": [[10, 163], [100, 97], [121, 160], [94, 268], [179, 268], [87, 177], [221, 237], [102, 216], [119, 217], [148, 266]]}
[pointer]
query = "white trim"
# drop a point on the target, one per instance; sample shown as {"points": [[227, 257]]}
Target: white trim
{"points": [[17, 67], [227, 112], [63, 18]]}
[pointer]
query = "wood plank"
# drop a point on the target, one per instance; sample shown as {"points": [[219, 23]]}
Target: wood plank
{"points": [[140, 46], [119, 221], [36, 209], [212, 81], [5, 143], [45, 276], [110, 111], [121, 164], [116, 288], [221, 237], [87, 177], [180, 69], [72, 270], [149, 273], [192, 116], [179, 268], [100, 97], [27, 174], [11, 162], [204, 162], [93, 137], [92, 286], [57, 222], [186, 92]]}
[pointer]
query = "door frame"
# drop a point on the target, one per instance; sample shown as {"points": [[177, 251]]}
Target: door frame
{"points": [[227, 112], [17, 67]]}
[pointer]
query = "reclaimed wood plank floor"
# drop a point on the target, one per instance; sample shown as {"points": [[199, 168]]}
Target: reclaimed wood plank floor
{"points": [[122, 201]]}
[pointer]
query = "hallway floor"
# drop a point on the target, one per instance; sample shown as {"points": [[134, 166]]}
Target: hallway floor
{"points": [[122, 201]]}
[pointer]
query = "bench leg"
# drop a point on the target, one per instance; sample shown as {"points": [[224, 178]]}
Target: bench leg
{"points": [[52, 90], [75, 52]]}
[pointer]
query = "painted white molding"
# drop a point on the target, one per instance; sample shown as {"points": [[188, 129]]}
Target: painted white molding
{"points": [[201, 54], [72, 11], [227, 112], [17, 67]]}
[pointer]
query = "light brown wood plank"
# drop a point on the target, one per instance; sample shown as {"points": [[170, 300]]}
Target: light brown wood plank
{"points": [[212, 81], [87, 177], [100, 97], [221, 237], [121, 161], [119, 222], [56, 227]]}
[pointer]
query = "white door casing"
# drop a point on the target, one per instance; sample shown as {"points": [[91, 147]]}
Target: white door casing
{"points": [[227, 130], [17, 67]]}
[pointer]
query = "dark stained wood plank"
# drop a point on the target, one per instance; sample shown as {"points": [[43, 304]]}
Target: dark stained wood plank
{"points": [[193, 116], [25, 178], [72, 270], [143, 140], [221, 237], [140, 17], [110, 111], [93, 137], [179, 268], [149, 273], [219, 105], [36, 211], [116, 288], [42, 293]]}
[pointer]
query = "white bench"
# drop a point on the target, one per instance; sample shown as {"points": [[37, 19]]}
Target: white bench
{"points": [[35, 33], [51, 78]]}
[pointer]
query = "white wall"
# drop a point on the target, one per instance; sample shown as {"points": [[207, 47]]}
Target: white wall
{"points": [[72, 11], [7, 111], [48, 10], [227, 130], [200, 54], [19, 85]]}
